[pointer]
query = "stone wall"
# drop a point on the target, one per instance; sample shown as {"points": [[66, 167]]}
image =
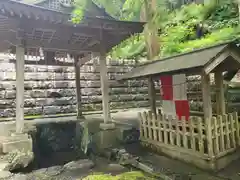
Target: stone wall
{"points": [[51, 90]]}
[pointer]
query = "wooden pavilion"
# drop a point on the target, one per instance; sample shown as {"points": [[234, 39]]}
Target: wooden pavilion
{"points": [[211, 142], [25, 28]]}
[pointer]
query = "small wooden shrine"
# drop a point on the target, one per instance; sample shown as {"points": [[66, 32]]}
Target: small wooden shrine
{"points": [[211, 142]]}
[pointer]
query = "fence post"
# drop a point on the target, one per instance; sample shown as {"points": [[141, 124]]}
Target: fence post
{"points": [[200, 135], [191, 130], [226, 120], [145, 123], [178, 133], [149, 121], [216, 142], [220, 120], [235, 114], [170, 119], [154, 127], [208, 131], [140, 118], [184, 132], [159, 118], [233, 137], [165, 138]]}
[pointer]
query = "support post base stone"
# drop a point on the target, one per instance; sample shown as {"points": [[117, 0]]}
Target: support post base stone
{"points": [[81, 118], [107, 126]]}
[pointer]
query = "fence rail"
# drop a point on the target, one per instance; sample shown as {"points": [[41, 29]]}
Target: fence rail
{"points": [[211, 138]]}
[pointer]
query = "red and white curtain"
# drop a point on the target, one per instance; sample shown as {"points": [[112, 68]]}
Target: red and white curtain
{"points": [[174, 96]]}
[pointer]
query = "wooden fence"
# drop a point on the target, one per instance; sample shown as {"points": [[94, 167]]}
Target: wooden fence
{"points": [[206, 139]]}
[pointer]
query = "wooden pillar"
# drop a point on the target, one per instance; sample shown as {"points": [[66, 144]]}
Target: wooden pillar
{"points": [[20, 52], [220, 99], [152, 95], [104, 89], [206, 95], [78, 87]]}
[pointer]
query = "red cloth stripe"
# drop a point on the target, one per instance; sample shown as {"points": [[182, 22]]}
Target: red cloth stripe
{"points": [[182, 109], [166, 87]]}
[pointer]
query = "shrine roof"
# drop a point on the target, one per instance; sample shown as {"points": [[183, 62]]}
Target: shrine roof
{"points": [[191, 62], [24, 21]]}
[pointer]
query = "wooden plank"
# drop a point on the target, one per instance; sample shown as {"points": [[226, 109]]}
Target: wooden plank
{"points": [[152, 95], [232, 130], [216, 135], [206, 94], [200, 135], [184, 130], [222, 140], [78, 88], [20, 51], [220, 99], [149, 123], [170, 119], [235, 117], [159, 118], [155, 128], [178, 136], [104, 88], [141, 125], [43, 62], [165, 138], [213, 64], [192, 134], [226, 122], [144, 124], [208, 131]]}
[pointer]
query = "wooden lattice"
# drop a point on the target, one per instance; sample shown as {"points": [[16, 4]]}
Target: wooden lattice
{"points": [[209, 138]]}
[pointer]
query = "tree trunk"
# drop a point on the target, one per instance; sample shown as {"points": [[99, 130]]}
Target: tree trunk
{"points": [[152, 44]]}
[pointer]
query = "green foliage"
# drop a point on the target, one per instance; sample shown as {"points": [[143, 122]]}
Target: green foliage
{"points": [[222, 14], [112, 7], [179, 34], [216, 37], [131, 10], [78, 13]]}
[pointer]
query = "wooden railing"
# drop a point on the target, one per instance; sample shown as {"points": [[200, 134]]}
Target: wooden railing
{"points": [[210, 138]]}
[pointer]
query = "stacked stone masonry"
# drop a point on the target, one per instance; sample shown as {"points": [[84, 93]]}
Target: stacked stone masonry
{"points": [[51, 90]]}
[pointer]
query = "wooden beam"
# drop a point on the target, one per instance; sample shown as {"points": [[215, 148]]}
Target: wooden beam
{"points": [[104, 88], [19, 89], [152, 95], [43, 62], [215, 62], [220, 99], [78, 87], [206, 93]]}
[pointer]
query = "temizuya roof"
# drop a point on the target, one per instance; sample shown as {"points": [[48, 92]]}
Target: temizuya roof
{"points": [[52, 30]]}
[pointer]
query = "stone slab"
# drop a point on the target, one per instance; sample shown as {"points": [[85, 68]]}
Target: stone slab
{"points": [[6, 128], [21, 145], [127, 134], [106, 139]]}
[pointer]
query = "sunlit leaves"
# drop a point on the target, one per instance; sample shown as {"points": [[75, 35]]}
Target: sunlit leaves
{"points": [[78, 12]]}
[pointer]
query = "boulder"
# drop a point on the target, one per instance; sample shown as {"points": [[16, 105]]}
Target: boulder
{"points": [[17, 159], [79, 165], [5, 174]]}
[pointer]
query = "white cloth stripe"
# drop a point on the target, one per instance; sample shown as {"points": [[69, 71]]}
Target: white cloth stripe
{"points": [[179, 87]]}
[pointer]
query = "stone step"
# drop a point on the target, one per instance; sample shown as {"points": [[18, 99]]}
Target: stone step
{"points": [[21, 145], [6, 128], [14, 137], [3, 165]]}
